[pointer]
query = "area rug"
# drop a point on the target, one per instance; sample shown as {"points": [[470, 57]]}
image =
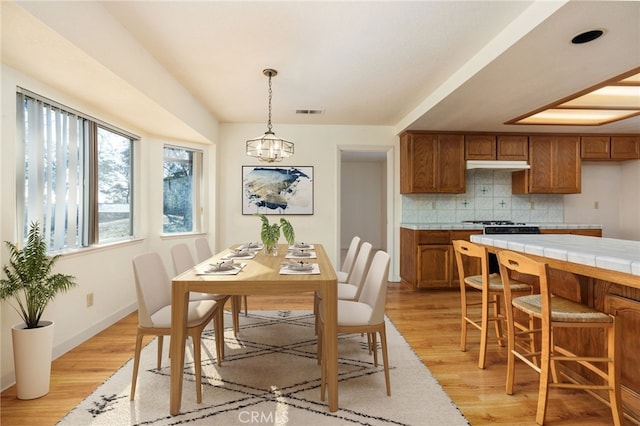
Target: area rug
{"points": [[270, 376]]}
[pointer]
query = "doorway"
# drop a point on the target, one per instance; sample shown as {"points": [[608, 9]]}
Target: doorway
{"points": [[365, 202]]}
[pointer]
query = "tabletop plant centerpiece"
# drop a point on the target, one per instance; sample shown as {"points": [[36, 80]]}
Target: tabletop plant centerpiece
{"points": [[31, 284], [270, 234]]}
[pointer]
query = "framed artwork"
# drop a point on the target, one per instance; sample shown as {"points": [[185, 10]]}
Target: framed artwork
{"points": [[277, 190]]}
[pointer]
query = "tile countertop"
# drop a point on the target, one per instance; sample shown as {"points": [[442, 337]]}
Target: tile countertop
{"points": [[604, 253], [460, 225]]}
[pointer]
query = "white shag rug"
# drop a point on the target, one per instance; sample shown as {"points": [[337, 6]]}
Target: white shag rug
{"points": [[270, 376]]}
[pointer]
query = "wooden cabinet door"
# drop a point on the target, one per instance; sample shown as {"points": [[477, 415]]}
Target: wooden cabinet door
{"points": [[555, 165], [434, 263], [418, 163], [512, 148], [450, 170], [625, 147], [595, 147], [480, 147]]}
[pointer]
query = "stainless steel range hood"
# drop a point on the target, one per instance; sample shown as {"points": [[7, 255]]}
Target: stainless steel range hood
{"points": [[511, 166]]}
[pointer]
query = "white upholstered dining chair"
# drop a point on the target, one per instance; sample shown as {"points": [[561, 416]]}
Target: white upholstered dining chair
{"points": [[365, 315], [153, 290], [182, 260], [349, 290], [349, 259]]}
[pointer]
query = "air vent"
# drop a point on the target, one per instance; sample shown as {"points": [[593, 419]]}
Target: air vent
{"points": [[310, 111]]}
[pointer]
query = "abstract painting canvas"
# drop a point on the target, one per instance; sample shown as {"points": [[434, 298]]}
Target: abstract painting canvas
{"points": [[277, 190]]}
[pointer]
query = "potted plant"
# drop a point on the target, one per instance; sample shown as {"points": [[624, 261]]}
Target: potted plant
{"points": [[270, 234], [31, 284]]}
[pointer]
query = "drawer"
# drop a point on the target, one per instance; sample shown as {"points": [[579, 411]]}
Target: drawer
{"points": [[433, 237]]}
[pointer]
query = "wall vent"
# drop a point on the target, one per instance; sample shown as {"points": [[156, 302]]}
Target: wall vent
{"points": [[310, 111]]}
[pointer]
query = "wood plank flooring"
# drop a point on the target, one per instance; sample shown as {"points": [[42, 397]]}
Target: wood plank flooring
{"points": [[429, 321]]}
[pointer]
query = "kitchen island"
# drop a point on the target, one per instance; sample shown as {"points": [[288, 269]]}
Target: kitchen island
{"points": [[603, 273]]}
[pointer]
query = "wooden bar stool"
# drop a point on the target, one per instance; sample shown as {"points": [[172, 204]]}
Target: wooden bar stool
{"points": [[555, 312], [492, 292]]}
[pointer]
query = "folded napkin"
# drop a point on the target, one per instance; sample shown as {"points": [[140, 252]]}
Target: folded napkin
{"points": [[228, 267], [289, 268], [301, 245], [240, 254], [300, 254], [251, 246]]}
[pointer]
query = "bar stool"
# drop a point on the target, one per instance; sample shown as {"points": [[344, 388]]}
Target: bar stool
{"points": [[554, 312], [492, 292]]}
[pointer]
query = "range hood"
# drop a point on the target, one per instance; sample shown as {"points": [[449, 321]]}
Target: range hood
{"points": [[511, 166]]}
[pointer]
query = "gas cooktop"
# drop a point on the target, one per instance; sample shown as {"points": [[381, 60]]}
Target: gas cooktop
{"points": [[493, 222]]}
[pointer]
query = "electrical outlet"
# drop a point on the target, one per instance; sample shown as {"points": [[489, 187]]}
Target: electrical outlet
{"points": [[531, 205], [89, 300], [596, 205]]}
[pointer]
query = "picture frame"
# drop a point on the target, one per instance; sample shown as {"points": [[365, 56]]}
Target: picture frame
{"points": [[277, 190]]}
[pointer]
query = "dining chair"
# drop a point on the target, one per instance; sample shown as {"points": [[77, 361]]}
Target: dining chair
{"points": [[349, 290], [554, 313], [365, 315], [349, 259], [182, 261], [203, 252], [153, 291], [491, 295]]}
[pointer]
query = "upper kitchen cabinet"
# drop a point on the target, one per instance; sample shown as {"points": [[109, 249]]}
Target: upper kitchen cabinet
{"points": [[555, 166], [610, 148], [431, 163], [500, 147]]}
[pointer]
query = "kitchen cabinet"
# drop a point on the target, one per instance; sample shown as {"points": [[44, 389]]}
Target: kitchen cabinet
{"points": [[610, 147], [427, 259], [431, 163], [496, 147], [555, 166]]}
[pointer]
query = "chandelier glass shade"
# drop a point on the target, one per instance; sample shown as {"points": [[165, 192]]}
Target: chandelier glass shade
{"points": [[269, 147]]}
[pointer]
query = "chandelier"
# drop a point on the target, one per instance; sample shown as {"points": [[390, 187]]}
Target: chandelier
{"points": [[269, 147]]}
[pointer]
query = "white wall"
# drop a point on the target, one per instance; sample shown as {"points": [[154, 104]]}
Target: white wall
{"points": [[316, 146], [106, 272], [615, 187], [362, 203]]}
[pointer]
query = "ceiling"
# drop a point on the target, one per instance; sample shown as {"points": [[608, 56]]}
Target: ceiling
{"points": [[172, 67]]}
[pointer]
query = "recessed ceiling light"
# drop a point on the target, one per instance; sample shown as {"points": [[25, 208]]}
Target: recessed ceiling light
{"points": [[587, 36], [612, 100]]}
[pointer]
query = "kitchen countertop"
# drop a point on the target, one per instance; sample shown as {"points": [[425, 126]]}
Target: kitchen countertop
{"points": [[604, 253], [476, 226]]}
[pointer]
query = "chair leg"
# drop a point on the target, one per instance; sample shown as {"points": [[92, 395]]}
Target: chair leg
{"points": [[136, 364], [484, 329], [511, 358], [374, 347], [159, 361], [497, 314], [246, 306], [236, 305], [385, 357], [545, 367], [463, 318], [613, 373]]}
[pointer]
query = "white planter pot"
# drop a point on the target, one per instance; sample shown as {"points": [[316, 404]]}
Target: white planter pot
{"points": [[32, 350]]}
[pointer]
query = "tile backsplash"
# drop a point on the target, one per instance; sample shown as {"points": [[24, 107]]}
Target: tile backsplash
{"points": [[488, 197]]}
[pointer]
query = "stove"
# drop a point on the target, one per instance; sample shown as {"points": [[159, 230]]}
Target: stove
{"points": [[497, 227]]}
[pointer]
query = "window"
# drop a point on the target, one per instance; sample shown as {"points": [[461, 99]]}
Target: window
{"points": [[181, 190], [77, 175]]}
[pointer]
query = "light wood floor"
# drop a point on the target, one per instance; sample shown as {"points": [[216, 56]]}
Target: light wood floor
{"points": [[429, 320]]}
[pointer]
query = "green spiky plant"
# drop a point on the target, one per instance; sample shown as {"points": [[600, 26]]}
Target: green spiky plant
{"points": [[30, 280], [270, 232]]}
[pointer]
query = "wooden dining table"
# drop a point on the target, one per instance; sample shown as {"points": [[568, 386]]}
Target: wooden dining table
{"points": [[260, 276]]}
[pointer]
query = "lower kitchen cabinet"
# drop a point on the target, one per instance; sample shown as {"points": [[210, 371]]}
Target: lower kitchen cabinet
{"points": [[427, 259], [586, 232]]}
